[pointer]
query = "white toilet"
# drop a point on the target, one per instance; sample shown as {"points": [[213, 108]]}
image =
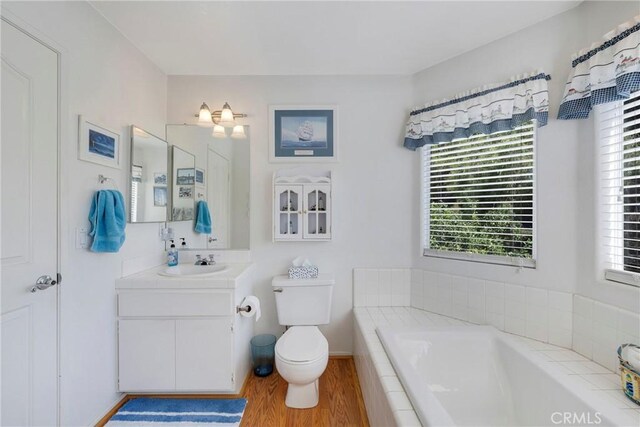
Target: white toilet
{"points": [[302, 352]]}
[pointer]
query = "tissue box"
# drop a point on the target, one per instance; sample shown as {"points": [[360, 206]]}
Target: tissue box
{"points": [[310, 272]]}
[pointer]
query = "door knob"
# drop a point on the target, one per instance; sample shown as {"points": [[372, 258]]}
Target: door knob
{"points": [[43, 282], [212, 239]]}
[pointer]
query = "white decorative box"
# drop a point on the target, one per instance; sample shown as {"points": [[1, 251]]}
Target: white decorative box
{"points": [[310, 272]]}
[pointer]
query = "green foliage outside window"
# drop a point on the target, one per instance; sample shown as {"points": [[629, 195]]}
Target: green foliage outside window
{"points": [[485, 204]]}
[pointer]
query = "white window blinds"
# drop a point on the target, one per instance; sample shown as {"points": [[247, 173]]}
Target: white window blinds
{"points": [[619, 136], [134, 200], [479, 198]]}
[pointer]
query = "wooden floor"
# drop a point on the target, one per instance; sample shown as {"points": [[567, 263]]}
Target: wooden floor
{"points": [[341, 402]]}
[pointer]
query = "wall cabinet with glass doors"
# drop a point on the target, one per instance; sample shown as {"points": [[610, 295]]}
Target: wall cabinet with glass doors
{"points": [[302, 207]]}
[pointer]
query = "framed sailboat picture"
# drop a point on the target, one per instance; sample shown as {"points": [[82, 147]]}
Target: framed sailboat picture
{"points": [[97, 144], [306, 133]]}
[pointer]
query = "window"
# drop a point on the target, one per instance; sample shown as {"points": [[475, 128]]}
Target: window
{"points": [[619, 136], [479, 198]]}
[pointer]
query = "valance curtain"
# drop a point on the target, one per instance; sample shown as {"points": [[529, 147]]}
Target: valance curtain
{"points": [[485, 110], [608, 71]]}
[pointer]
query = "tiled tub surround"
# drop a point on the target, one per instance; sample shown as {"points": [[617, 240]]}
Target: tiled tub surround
{"points": [[381, 287], [591, 328], [598, 330], [571, 321], [386, 402], [521, 310]]}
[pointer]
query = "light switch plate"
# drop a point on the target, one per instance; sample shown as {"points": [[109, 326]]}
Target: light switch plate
{"points": [[166, 233], [82, 238]]}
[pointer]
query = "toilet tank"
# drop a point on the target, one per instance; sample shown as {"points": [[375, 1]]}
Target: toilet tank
{"points": [[301, 302]]}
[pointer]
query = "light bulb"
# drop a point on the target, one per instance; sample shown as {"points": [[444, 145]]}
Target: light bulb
{"points": [[226, 117], [204, 117], [238, 132], [219, 132]]}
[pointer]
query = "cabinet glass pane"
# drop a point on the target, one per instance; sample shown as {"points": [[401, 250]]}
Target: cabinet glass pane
{"points": [[284, 200], [322, 201], [322, 223], [284, 224], [312, 219], [293, 223], [293, 201], [312, 201]]}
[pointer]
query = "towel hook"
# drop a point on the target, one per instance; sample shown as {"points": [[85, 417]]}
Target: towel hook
{"points": [[104, 179]]}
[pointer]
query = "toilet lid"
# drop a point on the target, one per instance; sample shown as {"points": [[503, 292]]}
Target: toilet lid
{"points": [[302, 344]]}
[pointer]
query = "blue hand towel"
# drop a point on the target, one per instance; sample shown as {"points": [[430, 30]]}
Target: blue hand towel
{"points": [[108, 220], [203, 218]]}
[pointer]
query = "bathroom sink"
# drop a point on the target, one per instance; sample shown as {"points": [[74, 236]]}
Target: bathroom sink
{"points": [[187, 270]]}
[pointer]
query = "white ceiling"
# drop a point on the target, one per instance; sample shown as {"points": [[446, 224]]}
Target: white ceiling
{"points": [[315, 37]]}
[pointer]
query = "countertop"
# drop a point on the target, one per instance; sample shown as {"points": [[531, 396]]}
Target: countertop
{"points": [[150, 279]]}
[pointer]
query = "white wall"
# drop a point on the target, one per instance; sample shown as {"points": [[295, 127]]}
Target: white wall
{"points": [[564, 151], [373, 220], [106, 79]]}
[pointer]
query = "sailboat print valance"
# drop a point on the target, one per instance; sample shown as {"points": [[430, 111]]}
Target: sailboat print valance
{"points": [[608, 71], [485, 110]]}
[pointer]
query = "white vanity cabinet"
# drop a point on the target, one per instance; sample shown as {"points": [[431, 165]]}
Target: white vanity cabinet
{"points": [[301, 207], [178, 335]]}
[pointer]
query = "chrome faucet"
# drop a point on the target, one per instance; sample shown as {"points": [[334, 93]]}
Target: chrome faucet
{"points": [[205, 261]]}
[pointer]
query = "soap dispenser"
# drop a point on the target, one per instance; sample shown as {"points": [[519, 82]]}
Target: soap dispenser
{"points": [[172, 255]]}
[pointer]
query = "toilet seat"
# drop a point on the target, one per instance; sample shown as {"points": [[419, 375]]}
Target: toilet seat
{"points": [[302, 345]]}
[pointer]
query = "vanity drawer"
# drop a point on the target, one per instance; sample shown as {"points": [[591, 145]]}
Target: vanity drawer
{"points": [[175, 303]]}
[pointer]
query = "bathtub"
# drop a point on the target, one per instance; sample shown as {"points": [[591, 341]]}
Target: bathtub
{"points": [[477, 375]]}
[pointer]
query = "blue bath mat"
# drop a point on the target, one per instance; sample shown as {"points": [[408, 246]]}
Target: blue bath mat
{"points": [[153, 412]]}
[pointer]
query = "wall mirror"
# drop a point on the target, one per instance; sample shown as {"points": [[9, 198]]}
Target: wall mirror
{"points": [[222, 179], [183, 180], [148, 180]]}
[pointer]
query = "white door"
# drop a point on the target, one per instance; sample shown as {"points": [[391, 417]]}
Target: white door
{"points": [[218, 192], [29, 220]]}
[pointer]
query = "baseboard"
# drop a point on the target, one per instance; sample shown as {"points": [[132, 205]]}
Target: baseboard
{"points": [[116, 406], [338, 354]]}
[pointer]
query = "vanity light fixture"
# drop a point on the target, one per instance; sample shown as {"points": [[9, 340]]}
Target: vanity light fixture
{"points": [[225, 117]]}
